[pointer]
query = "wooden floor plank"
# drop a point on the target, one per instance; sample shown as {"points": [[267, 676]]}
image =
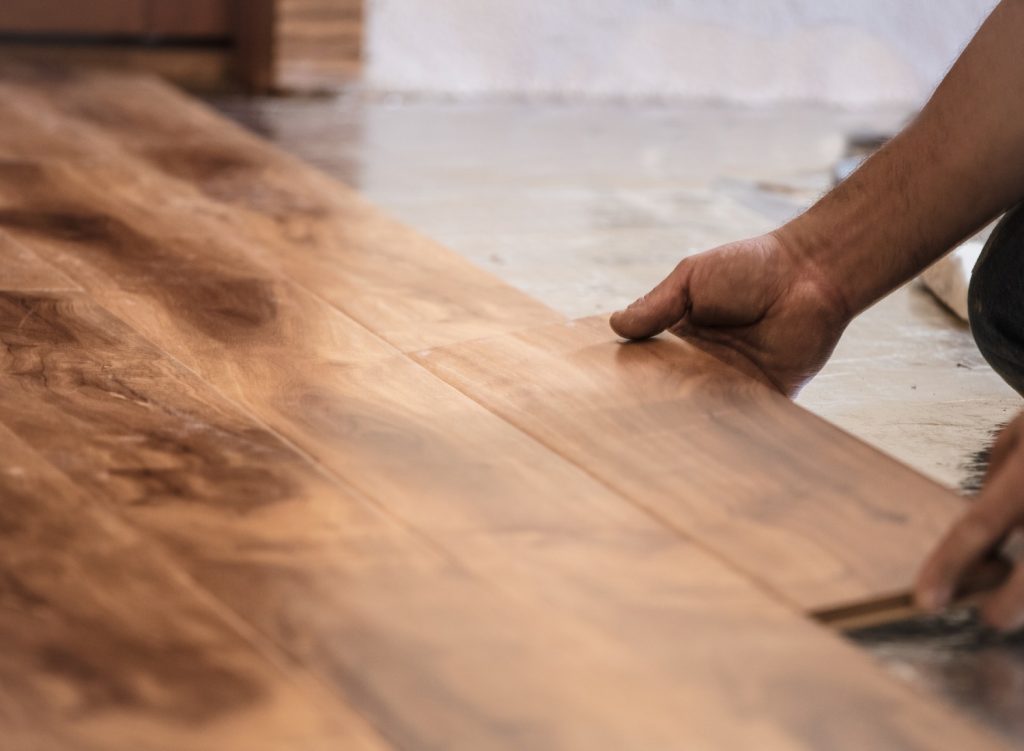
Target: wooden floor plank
{"points": [[819, 516], [287, 356], [288, 351], [316, 231], [107, 647], [531, 606], [631, 640]]}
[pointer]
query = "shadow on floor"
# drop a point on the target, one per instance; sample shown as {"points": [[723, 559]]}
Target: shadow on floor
{"points": [[956, 656]]}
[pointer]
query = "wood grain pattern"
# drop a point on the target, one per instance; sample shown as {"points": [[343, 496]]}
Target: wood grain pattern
{"points": [[304, 225], [106, 646], [431, 656], [817, 515], [503, 599]]}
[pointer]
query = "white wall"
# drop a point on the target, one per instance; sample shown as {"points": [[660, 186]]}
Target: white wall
{"points": [[851, 52]]}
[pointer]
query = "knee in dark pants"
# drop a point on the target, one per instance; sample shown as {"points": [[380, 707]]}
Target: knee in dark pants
{"points": [[995, 299]]}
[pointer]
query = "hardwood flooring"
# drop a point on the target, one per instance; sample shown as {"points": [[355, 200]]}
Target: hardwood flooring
{"points": [[816, 515], [257, 521]]}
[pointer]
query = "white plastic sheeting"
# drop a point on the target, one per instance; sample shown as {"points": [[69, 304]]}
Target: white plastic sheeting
{"points": [[848, 52]]}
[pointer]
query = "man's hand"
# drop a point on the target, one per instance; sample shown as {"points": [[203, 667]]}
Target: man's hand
{"points": [[995, 513], [756, 302], [767, 303]]}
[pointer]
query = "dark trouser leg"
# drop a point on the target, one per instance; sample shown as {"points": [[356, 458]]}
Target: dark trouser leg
{"points": [[996, 299]]}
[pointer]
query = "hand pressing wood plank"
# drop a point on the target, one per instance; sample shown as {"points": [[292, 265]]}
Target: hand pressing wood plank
{"points": [[287, 357], [673, 650], [106, 645], [815, 514], [307, 226], [193, 321], [589, 624]]}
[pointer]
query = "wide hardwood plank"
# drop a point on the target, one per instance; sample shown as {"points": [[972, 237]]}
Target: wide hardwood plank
{"points": [[310, 227], [609, 635], [819, 516], [549, 614], [107, 646]]}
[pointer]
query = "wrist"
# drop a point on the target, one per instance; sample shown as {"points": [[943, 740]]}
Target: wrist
{"points": [[809, 253]]}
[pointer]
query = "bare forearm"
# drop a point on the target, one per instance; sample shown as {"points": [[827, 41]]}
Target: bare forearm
{"points": [[958, 165]]}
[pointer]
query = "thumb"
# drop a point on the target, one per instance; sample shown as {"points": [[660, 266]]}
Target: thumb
{"points": [[663, 306]]}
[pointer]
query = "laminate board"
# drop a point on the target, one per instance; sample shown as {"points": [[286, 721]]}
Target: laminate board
{"points": [[311, 228], [817, 515], [340, 394], [107, 646], [817, 553], [673, 650], [571, 635]]}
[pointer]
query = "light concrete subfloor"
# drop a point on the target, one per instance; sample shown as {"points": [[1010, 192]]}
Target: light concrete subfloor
{"points": [[586, 206]]}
